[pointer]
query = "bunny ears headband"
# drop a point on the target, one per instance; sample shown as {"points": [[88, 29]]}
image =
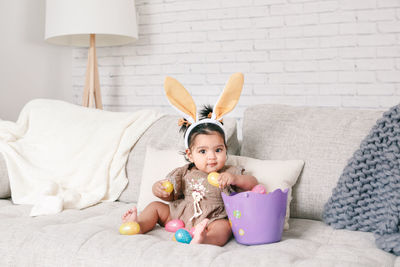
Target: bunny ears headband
{"points": [[183, 102]]}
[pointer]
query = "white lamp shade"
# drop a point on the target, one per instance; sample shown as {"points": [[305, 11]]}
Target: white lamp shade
{"points": [[70, 22]]}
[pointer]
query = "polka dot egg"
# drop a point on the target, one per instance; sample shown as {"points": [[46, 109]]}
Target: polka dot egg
{"points": [[237, 214], [241, 232]]}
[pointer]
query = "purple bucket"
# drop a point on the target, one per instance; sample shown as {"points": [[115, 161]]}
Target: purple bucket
{"points": [[256, 218]]}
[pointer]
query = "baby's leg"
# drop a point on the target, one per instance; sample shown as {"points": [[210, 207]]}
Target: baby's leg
{"points": [[155, 212], [217, 233]]}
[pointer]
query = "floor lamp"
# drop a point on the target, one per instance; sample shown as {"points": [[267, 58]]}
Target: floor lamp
{"points": [[91, 23]]}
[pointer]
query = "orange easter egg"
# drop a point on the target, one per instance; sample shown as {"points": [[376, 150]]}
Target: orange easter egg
{"points": [[168, 187], [213, 178], [129, 228]]}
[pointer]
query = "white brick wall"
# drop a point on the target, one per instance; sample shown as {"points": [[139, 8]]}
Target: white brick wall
{"points": [[299, 52]]}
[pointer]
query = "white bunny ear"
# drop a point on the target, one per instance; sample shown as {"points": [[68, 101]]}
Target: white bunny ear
{"points": [[229, 97], [180, 99]]}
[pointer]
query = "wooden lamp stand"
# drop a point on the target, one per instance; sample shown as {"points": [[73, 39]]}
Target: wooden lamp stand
{"points": [[114, 22], [91, 93]]}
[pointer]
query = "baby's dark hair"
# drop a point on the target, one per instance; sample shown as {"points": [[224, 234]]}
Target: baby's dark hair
{"points": [[203, 128]]}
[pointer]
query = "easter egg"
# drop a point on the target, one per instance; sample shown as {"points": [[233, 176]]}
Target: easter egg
{"points": [[260, 189], [168, 187], [213, 178], [174, 225], [183, 236], [129, 228]]}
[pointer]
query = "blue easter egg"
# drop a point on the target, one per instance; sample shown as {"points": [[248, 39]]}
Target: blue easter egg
{"points": [[183, 236]]}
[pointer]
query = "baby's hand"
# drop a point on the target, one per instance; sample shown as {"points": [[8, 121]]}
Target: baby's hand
{"points": [[159, 189], [226, 179]]}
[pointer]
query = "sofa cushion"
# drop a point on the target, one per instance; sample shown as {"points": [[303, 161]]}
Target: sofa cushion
{"points": [[4, 182], [273, 174], [164, 134], [90, 238], [324, 137]]}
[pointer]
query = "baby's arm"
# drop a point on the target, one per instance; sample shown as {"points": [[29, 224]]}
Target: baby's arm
{"points": [[243, 181], [158, 191]]}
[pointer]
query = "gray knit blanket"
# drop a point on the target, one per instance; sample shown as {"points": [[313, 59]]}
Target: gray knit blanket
{"points": [[367, 196]]}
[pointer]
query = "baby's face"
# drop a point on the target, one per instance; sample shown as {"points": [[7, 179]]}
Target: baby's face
{"points": [[208, 152]]}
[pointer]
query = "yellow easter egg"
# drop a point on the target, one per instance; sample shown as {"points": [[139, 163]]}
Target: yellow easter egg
{"points": [[213, 178], [129, 228], [168, 187]]}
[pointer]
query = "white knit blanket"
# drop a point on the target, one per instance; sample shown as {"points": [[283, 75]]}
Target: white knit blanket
{"points": [[62, 156]]}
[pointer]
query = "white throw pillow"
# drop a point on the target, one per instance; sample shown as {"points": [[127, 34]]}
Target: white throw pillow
{"points": [[272, 174], [157, 164]]}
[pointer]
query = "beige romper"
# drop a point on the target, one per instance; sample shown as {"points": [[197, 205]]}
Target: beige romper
{"points": [[194, 198]]}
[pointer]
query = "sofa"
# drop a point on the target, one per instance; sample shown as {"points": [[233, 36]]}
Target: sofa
{"points": [[323, 137]]}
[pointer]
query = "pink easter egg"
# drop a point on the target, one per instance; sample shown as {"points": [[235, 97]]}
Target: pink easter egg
{"points": [[174, 225], [260, 189]]}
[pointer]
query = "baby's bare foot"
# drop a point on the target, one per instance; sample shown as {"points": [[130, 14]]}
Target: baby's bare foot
{"points": [[130, 215], [200, 232]]}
